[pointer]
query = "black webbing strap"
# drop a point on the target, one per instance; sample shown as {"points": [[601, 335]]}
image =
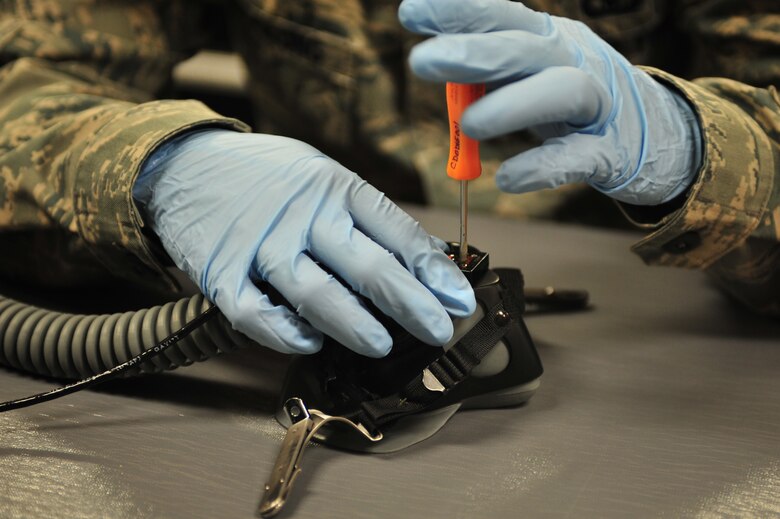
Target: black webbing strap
{"points": [[441, 375], [514, 286]]}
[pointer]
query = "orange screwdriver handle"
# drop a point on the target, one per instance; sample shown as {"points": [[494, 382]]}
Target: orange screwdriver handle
{"points": [[463, 162]]}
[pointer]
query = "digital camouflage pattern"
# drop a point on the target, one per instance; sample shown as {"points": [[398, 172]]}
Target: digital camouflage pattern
{"points": [[76, 120]]}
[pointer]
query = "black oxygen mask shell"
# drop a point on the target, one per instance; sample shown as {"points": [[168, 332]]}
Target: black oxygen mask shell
{"points": [[336, 380]]}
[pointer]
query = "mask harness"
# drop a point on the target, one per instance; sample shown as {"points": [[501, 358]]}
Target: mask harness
{"points": [[428, 389]]}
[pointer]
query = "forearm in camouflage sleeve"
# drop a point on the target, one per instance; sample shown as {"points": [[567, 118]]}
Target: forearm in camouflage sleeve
{"points": [[729, 225], [76, 123]]}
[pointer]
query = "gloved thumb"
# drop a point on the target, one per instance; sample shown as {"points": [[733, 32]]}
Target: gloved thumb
{"points": [[252, 313]]}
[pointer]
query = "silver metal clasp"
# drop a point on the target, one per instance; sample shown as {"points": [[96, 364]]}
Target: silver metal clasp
{"points": [[305, 424]]}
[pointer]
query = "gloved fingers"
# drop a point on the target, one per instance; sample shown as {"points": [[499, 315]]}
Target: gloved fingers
{"points": [[487, 58], [558, 161], [457, 16], [252, 313], [376, 274], [392, 228], [325, 303], [440, 244], [556, 95]]}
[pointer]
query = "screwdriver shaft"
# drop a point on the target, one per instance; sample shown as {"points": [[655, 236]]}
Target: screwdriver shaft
{"points": [[463, 253]]}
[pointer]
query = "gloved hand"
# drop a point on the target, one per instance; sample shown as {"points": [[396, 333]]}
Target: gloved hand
{"points": [[233, 208], [605, 122]]}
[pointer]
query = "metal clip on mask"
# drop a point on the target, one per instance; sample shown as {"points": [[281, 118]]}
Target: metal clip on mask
{"points": [[388, 404]]}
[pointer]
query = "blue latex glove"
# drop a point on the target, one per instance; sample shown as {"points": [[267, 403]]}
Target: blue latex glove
{"points": [[231, 208], [605, 122]]}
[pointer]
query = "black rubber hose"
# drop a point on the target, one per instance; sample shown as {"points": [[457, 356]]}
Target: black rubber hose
{"points": [[76, 346]]}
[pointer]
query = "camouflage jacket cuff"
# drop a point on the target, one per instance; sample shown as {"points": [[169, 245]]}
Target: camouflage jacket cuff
{"points": [[726, 202], [107, 217]]}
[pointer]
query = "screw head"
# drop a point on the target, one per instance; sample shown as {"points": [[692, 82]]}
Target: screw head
{"points": [[501, 318]]}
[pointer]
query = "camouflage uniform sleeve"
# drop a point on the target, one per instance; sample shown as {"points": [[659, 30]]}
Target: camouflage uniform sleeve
{"points": [[77, 120], [729, 225]]}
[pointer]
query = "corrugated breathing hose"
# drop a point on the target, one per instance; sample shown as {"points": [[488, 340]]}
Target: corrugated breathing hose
{"points": [[77, 346]]}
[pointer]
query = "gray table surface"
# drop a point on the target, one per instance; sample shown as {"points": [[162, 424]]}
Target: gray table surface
{"points": [[662, 401]]}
